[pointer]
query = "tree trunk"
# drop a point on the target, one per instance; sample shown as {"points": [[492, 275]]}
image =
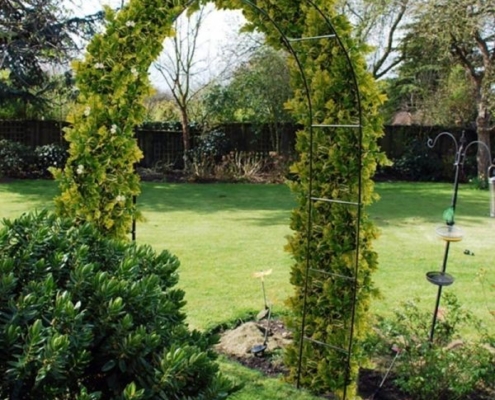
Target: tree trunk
{"points": [[186, 139], [483, 129]]}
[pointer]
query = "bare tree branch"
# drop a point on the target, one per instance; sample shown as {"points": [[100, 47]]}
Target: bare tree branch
{"points": [[483, 47], [390, 44], [461, 55], [374, 20]]}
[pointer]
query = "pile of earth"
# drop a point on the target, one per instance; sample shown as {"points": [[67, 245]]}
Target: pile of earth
{"points": [[253, 344]]}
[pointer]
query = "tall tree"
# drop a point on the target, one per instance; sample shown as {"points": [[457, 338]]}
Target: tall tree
{"points": [[418, 79], [187, 70], [33, 35], [464, 30], [179, 68]]}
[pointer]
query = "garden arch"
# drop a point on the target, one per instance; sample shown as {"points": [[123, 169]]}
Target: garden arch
{"points": [[338, 155]]}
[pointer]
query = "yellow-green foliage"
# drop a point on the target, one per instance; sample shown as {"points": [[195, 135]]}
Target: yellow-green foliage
{"points": [[98, 181]]}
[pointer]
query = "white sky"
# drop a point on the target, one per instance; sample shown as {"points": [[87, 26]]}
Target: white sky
{"points": [[219, 28]]}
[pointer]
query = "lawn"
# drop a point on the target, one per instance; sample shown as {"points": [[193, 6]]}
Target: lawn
{"points": [[223, 233]]}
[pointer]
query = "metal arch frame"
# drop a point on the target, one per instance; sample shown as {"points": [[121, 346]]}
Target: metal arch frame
{"points": [[310, 126]]}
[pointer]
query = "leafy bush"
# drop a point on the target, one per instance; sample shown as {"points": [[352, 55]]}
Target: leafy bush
{"points": [[418, 163], [214, 143], [50, 155], [83, 316], [16, 159], [20, 161], [448, 368]]}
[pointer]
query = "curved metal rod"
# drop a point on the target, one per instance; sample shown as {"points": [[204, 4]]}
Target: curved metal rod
{"points": [[290, 48], [432, 142], [461, 153], [487, 149], [286, 42], [484, 146]]}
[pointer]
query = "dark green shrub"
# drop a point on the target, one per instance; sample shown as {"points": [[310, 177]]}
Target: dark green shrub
{"points": [[449, 368], [418, 163], [87, 317], [16, 159], [214, 143], [50, 155]]}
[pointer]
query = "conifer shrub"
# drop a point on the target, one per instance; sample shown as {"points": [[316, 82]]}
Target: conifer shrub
{"points": [[83, 316]]}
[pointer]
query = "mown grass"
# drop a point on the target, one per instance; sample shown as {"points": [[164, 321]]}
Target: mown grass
{"points": [[223, 233]]}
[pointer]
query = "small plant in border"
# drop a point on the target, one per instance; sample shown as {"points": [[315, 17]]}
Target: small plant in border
{"points": [[449, 368]]}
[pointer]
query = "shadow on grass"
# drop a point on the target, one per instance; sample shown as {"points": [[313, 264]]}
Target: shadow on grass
{"points": [[402, 202], [34, 190], [267, 204]]}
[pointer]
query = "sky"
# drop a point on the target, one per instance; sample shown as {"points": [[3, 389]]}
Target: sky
{"points": [[219, 31]]}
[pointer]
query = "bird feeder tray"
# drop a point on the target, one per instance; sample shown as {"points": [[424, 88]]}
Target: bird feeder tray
{"points": [[449, 233], [440, 278]]}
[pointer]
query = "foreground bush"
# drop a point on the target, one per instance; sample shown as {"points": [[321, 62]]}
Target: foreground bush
{"points": [[85, 317]]}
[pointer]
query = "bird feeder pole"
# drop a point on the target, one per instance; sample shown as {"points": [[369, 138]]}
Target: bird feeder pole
{"points": [[450, 233]]}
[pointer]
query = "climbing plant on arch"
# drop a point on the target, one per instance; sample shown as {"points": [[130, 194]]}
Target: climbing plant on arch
{"points": [[98, 181]]}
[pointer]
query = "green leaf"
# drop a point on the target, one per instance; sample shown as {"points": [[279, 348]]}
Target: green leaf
{"points": [[109, 365]]}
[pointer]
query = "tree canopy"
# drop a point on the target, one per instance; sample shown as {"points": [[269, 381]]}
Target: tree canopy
{"points": [[257, 91], [460, 32], [36, 36]]}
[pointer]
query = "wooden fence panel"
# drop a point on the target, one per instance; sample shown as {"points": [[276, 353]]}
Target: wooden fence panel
{"points": [[33, 133], [15, 131], [160, 147], [165, 146]]}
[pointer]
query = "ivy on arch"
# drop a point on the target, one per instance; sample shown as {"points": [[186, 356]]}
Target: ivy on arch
{"points": [[98, 181]]}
